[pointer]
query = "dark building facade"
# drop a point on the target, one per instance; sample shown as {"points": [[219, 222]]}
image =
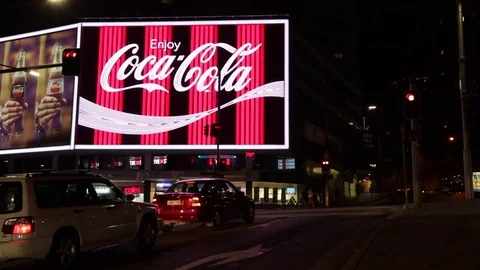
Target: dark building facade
{"points": [[325, 121]]}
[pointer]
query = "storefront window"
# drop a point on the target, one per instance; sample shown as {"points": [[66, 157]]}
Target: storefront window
{"points": [[135, 191], [33, 164], [202, 162], [159, 162], [135, 162], [160, 188], [279, 195], [111, 162], [286, 164]]}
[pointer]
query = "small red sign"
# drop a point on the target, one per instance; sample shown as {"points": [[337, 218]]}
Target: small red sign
{"points": [[132, 190], [56, 87]]}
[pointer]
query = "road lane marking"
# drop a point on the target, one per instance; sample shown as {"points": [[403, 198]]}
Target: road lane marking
{"points": [[226, 258], [265, 224]]}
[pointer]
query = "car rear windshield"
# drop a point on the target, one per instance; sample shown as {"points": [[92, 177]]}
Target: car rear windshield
{"points": [[11, 200], [188, 186]]}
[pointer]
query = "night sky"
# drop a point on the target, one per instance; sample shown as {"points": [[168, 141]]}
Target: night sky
{"points": [[394, 39]]}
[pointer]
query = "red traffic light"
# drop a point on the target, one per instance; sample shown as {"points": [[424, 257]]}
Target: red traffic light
{"points": [[69, 53], [410, 97], [72, 61]]}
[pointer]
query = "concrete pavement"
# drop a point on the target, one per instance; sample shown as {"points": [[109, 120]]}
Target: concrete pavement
{"points": [[435, 236]]}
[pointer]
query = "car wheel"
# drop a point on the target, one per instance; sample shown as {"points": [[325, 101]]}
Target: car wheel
{"points": [[146, 235], [249, 214], [65, 250], [218, 221]]}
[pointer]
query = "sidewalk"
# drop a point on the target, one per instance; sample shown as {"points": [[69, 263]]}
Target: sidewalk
{"points": [[436, 236]]}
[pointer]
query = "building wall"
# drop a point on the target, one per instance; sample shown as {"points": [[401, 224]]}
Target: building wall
{"points": [[329, 109]]}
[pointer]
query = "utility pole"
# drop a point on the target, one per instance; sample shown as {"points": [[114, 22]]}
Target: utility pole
{"points": [[417, 194], [404, 160], [467, 155]]}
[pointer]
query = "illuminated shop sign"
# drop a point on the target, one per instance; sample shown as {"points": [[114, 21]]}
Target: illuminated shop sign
{"points": [[132, 190]]}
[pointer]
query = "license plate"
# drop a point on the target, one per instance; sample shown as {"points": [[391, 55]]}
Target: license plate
{"points": [[173, 202]]}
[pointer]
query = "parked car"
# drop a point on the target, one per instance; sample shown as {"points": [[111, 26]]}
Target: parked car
{"points": [[211, 201], [55, 215]]}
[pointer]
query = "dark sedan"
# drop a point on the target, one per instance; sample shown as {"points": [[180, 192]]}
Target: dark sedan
{"points": [[209, 200]]}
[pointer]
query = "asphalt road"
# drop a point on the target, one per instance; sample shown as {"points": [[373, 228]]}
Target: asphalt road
{"points": [[279, 239]]}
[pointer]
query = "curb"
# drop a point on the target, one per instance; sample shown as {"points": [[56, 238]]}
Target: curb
{"points": [[357, 258], [397, 213]]}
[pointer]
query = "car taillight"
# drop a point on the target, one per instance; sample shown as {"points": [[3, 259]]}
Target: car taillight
{"points": [[21, 225], [196, 202], [157, 205]]}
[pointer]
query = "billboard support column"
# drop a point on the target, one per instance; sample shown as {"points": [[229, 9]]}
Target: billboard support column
{"points": [[148, 163], [77, 161], [55, 162], [11, 165]]}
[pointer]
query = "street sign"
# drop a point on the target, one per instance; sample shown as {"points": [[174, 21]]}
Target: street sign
{"points": [[368, 140]]}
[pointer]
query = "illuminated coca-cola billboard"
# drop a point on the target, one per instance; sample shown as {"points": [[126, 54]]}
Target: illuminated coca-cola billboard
{"points": [[154, 85]]}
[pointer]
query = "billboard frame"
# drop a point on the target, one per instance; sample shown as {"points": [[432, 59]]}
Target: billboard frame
{"points": [[71, 145], [173, 147]]}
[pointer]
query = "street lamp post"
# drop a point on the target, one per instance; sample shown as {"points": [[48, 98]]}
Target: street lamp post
{"points": [[467, 155]]}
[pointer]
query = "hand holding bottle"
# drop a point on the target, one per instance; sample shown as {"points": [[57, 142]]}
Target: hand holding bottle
{"points": [[49, 107], [11, 112]]}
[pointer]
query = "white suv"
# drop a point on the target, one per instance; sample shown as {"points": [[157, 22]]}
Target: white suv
{"points": [[55, 215]]}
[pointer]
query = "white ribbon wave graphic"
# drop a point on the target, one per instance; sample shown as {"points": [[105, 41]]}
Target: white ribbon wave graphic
{"points": [[97, 117]]}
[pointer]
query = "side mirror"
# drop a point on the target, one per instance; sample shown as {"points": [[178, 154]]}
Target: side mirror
{"points": [[241, 193], [130, 197]]}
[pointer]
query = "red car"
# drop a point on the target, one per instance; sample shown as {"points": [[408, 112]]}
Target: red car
{"points": [[211, 201]]}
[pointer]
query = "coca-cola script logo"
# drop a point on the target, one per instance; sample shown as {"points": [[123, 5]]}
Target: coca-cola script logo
{"points": [[18, 90], [158, 69], [56, 87], [234, 76]]}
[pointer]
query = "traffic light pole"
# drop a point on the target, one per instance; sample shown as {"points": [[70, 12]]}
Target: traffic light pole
{"points": [[467, 155], [10, 70], [417, 194], [405, 175]]}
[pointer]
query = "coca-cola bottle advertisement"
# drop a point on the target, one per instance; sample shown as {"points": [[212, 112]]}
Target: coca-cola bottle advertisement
{"points": [[35, 103]]}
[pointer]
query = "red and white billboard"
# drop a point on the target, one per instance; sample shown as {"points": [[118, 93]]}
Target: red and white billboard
{"points": [[154, 85]]}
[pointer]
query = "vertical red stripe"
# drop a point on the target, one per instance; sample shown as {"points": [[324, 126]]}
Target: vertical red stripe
{"points": [[204, 100], [261, 78], [112, 39], [156, 103], [250, 118]]}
